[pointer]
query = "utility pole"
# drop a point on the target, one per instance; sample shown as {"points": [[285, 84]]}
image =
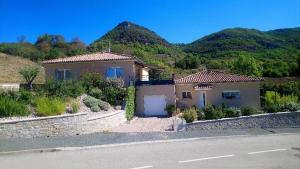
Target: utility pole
{"points": [[108, 46]]}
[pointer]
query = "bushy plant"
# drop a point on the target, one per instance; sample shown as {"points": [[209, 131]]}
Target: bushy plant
{"points": [[272, 97], [212, 112], [130, 103], [49, 106], [96, 92], [96, 104], [90, 101], [170, 108], [95, 109], [247, 111], [273, 108], [190, 115], [290, 106], [75, 106], [103, 105], [10, 107], [231, 112], [54, 88]]}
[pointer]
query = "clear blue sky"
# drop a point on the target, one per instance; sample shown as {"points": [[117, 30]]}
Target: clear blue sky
{"points": [[177, 21]]}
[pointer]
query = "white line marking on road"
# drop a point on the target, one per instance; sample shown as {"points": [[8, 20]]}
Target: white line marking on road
{"points": [[207, 158], [266, 151], [143, 167]]}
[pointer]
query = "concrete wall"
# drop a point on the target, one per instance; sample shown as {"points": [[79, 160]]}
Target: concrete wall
{"points": [[141, 91], [274, 120], [80, 68], [64, 125], [249, 94]]}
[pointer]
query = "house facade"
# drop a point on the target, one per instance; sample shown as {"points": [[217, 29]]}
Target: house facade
{"points": [[109, 65], [199, 89], [217, 87]]}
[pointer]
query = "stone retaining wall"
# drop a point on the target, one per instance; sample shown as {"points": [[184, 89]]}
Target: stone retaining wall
{"points": [[64, 125], [275, 120], [106, 122]]}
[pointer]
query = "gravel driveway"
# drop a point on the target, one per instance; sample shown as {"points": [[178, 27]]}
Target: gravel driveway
{"points": [[147, 124]]}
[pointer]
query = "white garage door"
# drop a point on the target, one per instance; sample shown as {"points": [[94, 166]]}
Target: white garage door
{"points": [[155, 105]]}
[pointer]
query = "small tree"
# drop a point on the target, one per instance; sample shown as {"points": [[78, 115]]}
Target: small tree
{"points": [[246, 65], [29, 74]]}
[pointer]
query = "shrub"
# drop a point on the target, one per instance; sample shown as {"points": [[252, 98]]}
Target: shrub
{"points": [[49, 106], [247, 111], [130, 103], [230, 112], [69, 88], [10, 107], [212, 112], [272, 97], [90, 101], [290, 106], [273, 108], [95, 109], [75, 106], [190, 115], [96, 92], [104, 105], [170, 108]]}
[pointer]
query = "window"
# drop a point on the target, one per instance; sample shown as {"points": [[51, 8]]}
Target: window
{"points": [[232, 94], [62, 74], [114, 72], [186, 95]]}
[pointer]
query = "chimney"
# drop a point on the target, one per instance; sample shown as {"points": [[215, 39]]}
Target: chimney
{"points": [[109, 46], [173, 76]]}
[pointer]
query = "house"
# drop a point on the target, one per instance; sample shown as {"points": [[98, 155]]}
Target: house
{"points": [[199, 89], [109, 65], [152, 97]]}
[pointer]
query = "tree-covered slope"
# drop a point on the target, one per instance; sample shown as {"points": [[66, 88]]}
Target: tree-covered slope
{"points": [[275, 44], [128, 32]]}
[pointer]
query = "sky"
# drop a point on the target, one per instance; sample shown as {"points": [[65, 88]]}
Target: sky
{"points": [[178, 21]]}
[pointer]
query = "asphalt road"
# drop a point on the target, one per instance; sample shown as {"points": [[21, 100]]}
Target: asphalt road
{"points": [[274, 151], [113, 138]]}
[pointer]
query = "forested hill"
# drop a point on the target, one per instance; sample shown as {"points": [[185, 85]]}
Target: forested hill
{"points": [[128, 32], [276, 44]]}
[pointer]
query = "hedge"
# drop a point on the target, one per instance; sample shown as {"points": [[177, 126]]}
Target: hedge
{"points": [[130, 103]]}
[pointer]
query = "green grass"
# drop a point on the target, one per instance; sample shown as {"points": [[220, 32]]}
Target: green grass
{"points": [[10, 67], [10, 107], [49, 106]]}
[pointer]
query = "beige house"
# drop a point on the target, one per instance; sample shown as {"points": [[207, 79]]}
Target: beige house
{"points": [[217, 87], [109, 65], [199, 89]]}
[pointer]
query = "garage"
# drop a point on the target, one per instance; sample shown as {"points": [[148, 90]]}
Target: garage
{"points": [[155, 105], [152, 99]]}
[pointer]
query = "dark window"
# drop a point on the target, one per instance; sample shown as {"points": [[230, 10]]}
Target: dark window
{"points": [[62, 74], [231, 94], [187, 95]]}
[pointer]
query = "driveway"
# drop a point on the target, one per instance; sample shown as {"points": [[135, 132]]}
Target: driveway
{"points": [[147, 124]]}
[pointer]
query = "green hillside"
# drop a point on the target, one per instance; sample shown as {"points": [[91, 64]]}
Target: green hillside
{"points": [[128, 32], [10, 67], [281, 44]]}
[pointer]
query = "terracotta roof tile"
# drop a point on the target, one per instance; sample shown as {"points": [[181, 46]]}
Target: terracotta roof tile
{"points": [[90, 57], [212, 76]]}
